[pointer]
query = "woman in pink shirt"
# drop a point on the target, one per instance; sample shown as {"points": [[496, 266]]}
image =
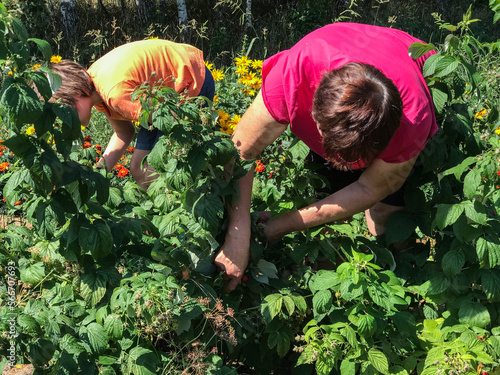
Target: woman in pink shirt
{"points": [[353, 94]]}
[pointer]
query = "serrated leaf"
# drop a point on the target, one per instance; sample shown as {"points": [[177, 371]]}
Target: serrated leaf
{"points": [[476, 212], [322, 301], [268, 269], [491, 284], [378, 360], [114, 327], [472, 181], [453, 262], [208, 210], [92, 287], [366, 325], [19, 29], [33, 274], [271, 306], [23, 103], [447, 214], [324, 280], [281, 340], [474, 314], [142, 361], [43, 46], [488, 251], [439, 99], [418, 49], [96, 238], [96, 336]]}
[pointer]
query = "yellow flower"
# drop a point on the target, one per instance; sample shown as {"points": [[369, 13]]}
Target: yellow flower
{"points": [[136, 123], [482, 113], [55, 59], [152, 37], [257, 64], [223, 117], [82, 127], [216, 99], [35, 67], [242, 70], [10, 73], [218, 74], [249, 92], [497, 130], [242, 61], [209, 65], [30, 130]]}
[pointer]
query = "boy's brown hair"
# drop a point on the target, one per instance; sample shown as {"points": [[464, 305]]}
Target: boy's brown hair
{"points": [[358, 110], [76, 82]]}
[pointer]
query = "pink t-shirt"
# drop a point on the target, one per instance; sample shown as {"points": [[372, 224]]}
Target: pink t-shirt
{"points": [[290, 78]]}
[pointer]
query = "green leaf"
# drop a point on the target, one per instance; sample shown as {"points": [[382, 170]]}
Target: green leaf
{"points": [[476, 212], [271, 306], [142, 361], [43, 46], [474, 314], [430, 65], [114, 327], [488, 251], [33, 274], [347, 367], [55, 80], [366, 325], [439, 99], [491, 284], [22, 102], [445, 66], [92, 287], [324, 280], [19, 29], [96, 238], [472, 182], [400, 226], [71, 345], [267, 269], [281, 340], [453, 262], [418, 49], [208, 210], [447, 214], [96, 336], [438, 284], [378, 360], [322, 301]]}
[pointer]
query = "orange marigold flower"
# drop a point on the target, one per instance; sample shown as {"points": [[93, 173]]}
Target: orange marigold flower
{"points": [[131, 149], [98, 147], [87, 144], [123, 173], [260, 167], [17, 203], [87, 138], [119, 167], [4, 166]]}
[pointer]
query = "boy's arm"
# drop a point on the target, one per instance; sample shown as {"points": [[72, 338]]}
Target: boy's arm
{"points": [[119, 142]]}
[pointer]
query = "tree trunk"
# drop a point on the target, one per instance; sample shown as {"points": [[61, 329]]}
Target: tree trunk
{"points": [[248, 16], [144, 10], [183, 20], [68, 16]]}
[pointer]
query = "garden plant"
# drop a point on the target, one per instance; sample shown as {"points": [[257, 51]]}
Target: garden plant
{"points": [[105, 278]]}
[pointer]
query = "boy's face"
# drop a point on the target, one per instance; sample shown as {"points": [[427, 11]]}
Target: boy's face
{"points": [[83, 106]]}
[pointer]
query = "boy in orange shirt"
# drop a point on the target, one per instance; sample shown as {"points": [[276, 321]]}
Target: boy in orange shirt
{"points": [[110, 81]]}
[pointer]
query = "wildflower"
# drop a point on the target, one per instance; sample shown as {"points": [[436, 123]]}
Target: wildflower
{"points": [[87, 144], [260, 167], [249, 92], [209, 65], [482, 113], [216, 99], [241, 70], [87, 138], [98, 147], [218, 75], [30, 130], [82, 127], [136, 123], [497, 131], [17, 203], [152, 37], [131, 149], [257, 64], [55, 59], [123, 172], [242, 61], [35, 68], [119, 167], [4, 166]]}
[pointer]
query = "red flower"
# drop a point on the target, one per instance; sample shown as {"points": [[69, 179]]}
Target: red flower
{"points": [[480, 337], [123, 172], [87, 138], [131, 149], [17, 203], [87, 144], [498, 173], [270, 175], [119, 167], [260, 167], [98, 147], [4, 166]]}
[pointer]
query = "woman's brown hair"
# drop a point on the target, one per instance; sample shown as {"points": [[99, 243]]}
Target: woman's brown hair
{"points": [[76, 82], [358, 110]]}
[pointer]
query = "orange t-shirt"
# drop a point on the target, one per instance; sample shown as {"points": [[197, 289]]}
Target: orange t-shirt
{"points": [[121, 71]]}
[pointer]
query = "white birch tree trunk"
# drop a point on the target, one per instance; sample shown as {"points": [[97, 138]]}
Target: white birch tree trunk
{"points": [[68, 16], [183, 19], [248, 16]]}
